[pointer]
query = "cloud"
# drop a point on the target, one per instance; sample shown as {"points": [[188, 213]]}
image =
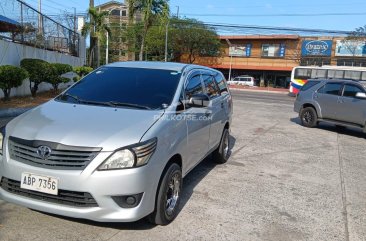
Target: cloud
{"points": [[210, 6], [268, 5]]}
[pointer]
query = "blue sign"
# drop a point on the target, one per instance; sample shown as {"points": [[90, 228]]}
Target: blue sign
{"points": [[316, 48], [282, 50], [248, 50]]}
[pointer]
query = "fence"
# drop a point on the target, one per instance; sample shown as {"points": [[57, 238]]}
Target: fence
{"points": [[24, 24]]}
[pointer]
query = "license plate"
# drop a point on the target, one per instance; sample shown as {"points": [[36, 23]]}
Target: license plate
{"points": [[39, 183]]}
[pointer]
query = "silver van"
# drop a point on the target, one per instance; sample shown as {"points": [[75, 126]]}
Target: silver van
{"points": [[116, 145]]}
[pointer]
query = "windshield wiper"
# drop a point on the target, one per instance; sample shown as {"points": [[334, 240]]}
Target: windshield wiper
{"points": [[72, 96], [116, 103]]}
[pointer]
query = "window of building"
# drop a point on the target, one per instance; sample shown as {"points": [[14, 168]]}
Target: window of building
{"points": [[115, 12], [356, 62], [124, 13], [273, 50]]}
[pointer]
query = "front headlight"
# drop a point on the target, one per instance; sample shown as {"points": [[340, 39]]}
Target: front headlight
{"points": [[131, 156]]}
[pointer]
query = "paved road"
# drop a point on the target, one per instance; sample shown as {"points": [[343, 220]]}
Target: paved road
{"points": [[283, 182]]}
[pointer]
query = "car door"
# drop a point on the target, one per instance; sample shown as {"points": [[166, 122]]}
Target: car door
{"points": [[350, 108], [198, 125], [215, 111], [327, 98]]}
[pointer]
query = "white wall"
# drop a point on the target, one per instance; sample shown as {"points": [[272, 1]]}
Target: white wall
{"points": [[12, 53]]}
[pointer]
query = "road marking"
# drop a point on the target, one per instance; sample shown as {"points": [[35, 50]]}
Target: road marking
{"points": [[343, 188]]}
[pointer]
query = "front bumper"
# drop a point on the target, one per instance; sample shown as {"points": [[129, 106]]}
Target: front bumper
{"points": [[102, 185]]}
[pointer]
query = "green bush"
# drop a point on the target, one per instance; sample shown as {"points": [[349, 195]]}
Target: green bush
{"points": [[58, 70], [39, 71], [81, 71], [11, 77]]}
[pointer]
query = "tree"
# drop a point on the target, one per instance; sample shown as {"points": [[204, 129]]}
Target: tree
{"points": [[355, 40], [81, 71], [192, 37], [39, 71], [96, 27], [58, 70], [153, 11], [11, 77]]}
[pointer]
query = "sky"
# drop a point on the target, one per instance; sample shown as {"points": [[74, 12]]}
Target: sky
{"points": [[260, 12]]}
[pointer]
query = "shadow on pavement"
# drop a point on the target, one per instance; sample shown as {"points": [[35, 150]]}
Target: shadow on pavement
{"points": [[189, 183], [355, 132]]}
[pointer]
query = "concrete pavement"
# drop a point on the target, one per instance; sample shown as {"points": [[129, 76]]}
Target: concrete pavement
{"points": [[283, 182]]}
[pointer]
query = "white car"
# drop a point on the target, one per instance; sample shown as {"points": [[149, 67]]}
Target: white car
{"points": [[242, 80]]}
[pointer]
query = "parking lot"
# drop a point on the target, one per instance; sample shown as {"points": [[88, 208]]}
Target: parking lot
{"points": [[282, 182]]}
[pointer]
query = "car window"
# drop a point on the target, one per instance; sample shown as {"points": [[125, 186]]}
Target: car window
{"points": [[309, 84], [150, 88], [211, 88], [330, 89], [351, 90], [194, 86], [220, 81]]}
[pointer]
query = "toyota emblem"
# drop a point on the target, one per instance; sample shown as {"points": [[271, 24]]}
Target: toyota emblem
{"points": [[44, 152]]}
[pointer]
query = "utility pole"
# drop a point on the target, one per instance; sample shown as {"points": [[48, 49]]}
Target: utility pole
{"points": [[107, 49], [40, 24], [166, 41], [177, 11], [92, 44]]}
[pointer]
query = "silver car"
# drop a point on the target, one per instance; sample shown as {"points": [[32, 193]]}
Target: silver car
{"points": [[339, 102], [115, 146]]}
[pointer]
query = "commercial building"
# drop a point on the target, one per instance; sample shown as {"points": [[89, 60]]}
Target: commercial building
{"points": [[118, 20], [271, 58]]}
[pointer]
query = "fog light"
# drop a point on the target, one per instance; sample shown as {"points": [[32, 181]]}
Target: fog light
{"points": [[131, 200], [128, 201]]}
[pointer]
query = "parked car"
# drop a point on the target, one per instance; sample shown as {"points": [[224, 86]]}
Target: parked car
{"points": [[242, 80], [115, 146], [340, 102]]}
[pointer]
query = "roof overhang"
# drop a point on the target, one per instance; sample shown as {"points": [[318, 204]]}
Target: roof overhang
{"points": [[8, 25], [256, 37]]}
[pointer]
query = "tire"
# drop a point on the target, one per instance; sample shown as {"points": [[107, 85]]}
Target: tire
{"points": [[221, 154], [169, 189], [308, 117]]}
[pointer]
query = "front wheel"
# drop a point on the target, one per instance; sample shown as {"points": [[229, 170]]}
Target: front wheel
{"points": [[221, 154], [308, 117], [168, 196]]}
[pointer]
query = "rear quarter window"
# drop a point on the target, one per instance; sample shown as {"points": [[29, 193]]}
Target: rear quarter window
{"points": [[309, 84]]}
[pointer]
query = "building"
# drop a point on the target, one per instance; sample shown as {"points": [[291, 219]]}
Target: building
{"points": [[271, 58], [118, 20]]}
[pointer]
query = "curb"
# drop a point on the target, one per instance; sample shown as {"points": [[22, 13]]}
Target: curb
{"points": [[13, 112], [261, 91]]}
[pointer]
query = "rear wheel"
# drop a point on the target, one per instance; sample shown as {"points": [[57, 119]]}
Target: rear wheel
{"points": [[168, 196], [308, 117], [221, 154]]}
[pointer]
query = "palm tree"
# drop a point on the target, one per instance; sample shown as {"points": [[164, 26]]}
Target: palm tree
{"points": [[99, 24], [152, 11]]}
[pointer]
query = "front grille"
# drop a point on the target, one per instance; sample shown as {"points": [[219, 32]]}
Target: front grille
{"points": [[69, 198], [62, 157]]}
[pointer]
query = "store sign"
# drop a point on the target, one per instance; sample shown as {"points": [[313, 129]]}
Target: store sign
{"points": [[240, 50], [351, 48], [282, 50], [316, 48]]}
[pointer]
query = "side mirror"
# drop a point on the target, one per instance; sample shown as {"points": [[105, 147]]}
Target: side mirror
{"points": [[361, 95], [199, 100]]}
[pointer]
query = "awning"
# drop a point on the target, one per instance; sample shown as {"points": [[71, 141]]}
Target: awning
{"points": [[8, 25]]}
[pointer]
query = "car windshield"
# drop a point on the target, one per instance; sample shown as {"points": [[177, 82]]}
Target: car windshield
{"points": [[125, 87]]}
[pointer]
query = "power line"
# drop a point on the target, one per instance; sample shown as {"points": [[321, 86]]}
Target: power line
{"points": [[275, 15]]}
